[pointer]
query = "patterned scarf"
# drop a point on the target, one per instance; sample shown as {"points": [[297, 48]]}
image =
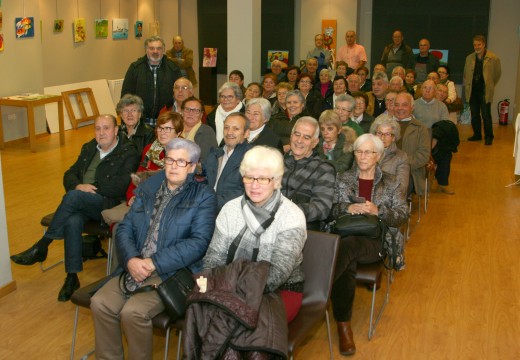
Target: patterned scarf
{"points": [[153, 155], [246, 244]]}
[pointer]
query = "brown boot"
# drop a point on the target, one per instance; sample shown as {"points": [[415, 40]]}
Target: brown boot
{"points": [[346, 339]]}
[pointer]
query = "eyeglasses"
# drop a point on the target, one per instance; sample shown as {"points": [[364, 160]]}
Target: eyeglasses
{"points": [[192, 110], [227, 97], [165, 129], [260, 181], [382, 134], [129, 111], [305, 82], [337, 108], [367, 153], [181, 88], [179, 163]]}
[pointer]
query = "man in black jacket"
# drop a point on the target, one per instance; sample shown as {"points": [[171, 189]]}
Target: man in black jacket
{"points": [[98, 180], [151, 78]]}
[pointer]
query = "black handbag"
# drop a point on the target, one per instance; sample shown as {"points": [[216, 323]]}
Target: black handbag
{"points": [[358, 225], [172, 291]]}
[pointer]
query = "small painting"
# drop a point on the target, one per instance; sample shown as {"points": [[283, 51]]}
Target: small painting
{"points": [[79, 30], [210, 57], [101, 26], [0, 19], [138, 27], [24, 27], [120, 29], [1, 42], [58, 25], [282, 55]]}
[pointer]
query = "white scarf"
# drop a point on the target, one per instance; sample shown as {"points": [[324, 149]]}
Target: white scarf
{"points": [[220, 116]]}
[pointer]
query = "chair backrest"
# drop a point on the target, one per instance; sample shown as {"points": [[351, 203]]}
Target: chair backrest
{"points": [[319, 262]]}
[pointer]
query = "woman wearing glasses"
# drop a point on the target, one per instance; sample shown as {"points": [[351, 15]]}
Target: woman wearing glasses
{"points": [[264, 225], [365, 189], [130, 109], [169, 227], [230, 97], [313, 98]]}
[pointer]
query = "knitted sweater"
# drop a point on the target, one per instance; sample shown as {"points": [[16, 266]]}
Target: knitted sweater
{"points": [[431, 112], [281, 244]]}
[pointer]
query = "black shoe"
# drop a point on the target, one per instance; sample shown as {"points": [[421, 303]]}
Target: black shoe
{"points": [[475, 138], [30, 256], [488, 141], [71, 284]]}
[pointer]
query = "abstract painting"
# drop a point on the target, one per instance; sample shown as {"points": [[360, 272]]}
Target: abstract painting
{"points": [[58, 25], [24, 27], [120, 29], [101, 26], [79, 30]]}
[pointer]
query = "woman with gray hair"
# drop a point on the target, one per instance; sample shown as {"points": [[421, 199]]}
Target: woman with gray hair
{"points": [[258, 111], [336, 142], [344, 107], [395, 161], [130, 109], [230, 97], [368, 190]]}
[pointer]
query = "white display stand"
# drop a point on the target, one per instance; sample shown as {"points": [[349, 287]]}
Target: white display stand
{"points": [[6, 276], [516, 150]]}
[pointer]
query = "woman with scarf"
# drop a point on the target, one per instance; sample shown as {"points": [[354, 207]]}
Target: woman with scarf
{"points": [[230, 97], [263, 225]]}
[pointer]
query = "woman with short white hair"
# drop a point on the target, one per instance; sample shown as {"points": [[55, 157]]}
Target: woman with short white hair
{"points": [[258, 111], [230, 97]]}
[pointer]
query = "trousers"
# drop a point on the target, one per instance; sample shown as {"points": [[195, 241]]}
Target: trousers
{"points": [[352, 250], [113, 310], [478, 107], [442, 173], [76, 208]]}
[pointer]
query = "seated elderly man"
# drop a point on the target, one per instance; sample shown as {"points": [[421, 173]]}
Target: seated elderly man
{"points": [[277, 67], [98, 180], [376, 98], [311, 68], [223, 163], [168, 228], [308, 180], [427, 109], [182, 89], [415, 140], [194, 130]]}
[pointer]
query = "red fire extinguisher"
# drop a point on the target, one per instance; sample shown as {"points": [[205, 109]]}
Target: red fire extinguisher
{"points": [[503, 111]]}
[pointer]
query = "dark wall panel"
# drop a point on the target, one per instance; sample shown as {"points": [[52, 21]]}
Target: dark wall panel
{"points": [[212, 25], [448, 24]]}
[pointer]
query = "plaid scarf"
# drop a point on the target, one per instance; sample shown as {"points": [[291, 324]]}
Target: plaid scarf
{"points": [[153, 155]]}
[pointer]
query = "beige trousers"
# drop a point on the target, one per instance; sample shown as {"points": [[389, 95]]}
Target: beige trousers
{"points": [[113, 311]]}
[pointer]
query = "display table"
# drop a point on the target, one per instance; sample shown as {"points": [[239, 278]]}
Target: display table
{"points": [[516, 150], [30, 102]]}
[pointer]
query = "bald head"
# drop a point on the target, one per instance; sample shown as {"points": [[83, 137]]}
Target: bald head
{"points": [[178, 43]]}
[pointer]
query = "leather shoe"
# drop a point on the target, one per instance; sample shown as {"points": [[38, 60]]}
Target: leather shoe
{"points": [[475, 138], [346, 339], [71, 284], [488, 141], [30, 256], [446, 189]]}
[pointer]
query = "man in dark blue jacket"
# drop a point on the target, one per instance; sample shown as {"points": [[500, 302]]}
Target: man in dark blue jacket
{"points": [[98, 180], [223, 163]]}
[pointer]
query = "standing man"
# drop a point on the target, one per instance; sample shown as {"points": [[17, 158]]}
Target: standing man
{"points": [[98, 180], [183, 58], [425, 61], [151, 78], [397, 53], [481, 73], [223, 163], [353, 54], [320, 53]]}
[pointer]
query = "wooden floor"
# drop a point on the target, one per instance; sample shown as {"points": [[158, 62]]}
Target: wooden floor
{"points": [[458, 297]]}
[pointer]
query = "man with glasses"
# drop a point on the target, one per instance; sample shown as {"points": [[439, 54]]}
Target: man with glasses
{"points": [[376, 97], [194, 129], [308, 180], [223, 163], [96, 181], [151, 78], [320, 53]]}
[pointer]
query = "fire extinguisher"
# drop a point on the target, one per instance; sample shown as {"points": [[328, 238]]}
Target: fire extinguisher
{"points": [[503, 111]]}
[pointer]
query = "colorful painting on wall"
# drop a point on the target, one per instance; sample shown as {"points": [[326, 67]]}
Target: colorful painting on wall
{"points": [[329, 29], [120, 29], [24, 27], [101, 26], [1, 42], [79, 30], [138, 28], [58, 25], [210, 57], [440, 54], [272, 55], [0, 19]]}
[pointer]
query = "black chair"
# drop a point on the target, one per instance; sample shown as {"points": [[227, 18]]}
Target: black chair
{"points": [[319, 262]]}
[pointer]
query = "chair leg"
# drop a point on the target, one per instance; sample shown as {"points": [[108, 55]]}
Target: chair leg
{"points": [[76, 314], [179, 345], [167, 343], [47, 268], [327, 320], [109, 255], [373, 324]]}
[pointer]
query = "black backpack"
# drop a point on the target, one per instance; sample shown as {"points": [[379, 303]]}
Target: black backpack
{"points": [[92, 248]]}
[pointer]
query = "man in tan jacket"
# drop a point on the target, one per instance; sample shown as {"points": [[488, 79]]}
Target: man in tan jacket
{"points": [[183, 58], [481, 73]]}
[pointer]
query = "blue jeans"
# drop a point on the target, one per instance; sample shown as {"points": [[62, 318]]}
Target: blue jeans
{"points": [[76, 208]]}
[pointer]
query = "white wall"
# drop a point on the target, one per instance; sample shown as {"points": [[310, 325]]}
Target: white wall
{"points": [[6, 275]]}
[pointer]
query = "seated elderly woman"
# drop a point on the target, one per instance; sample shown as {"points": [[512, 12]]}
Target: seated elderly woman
{"points": [[366, 83], [269, 83], [169, 126], [325, 85], [344, 107], [359, 114], [168, 228], [444, 74], [253, 90], [281, 94], [454, 108], [292, 74], [263, 225], [230, 97], [258, 111], [336, 141], [313, 98], [339, 86], [396, 84], [129, 109], [395, 161], [365, 189]]}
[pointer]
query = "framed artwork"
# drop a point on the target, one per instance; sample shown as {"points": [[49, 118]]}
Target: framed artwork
{"points": [[272, 55], [210, 57], [138, 28], [79, 30], [1, 20], [1, 42], [120, 29], [329, 29], [101, 26], [24, 27], [58, 25]]}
